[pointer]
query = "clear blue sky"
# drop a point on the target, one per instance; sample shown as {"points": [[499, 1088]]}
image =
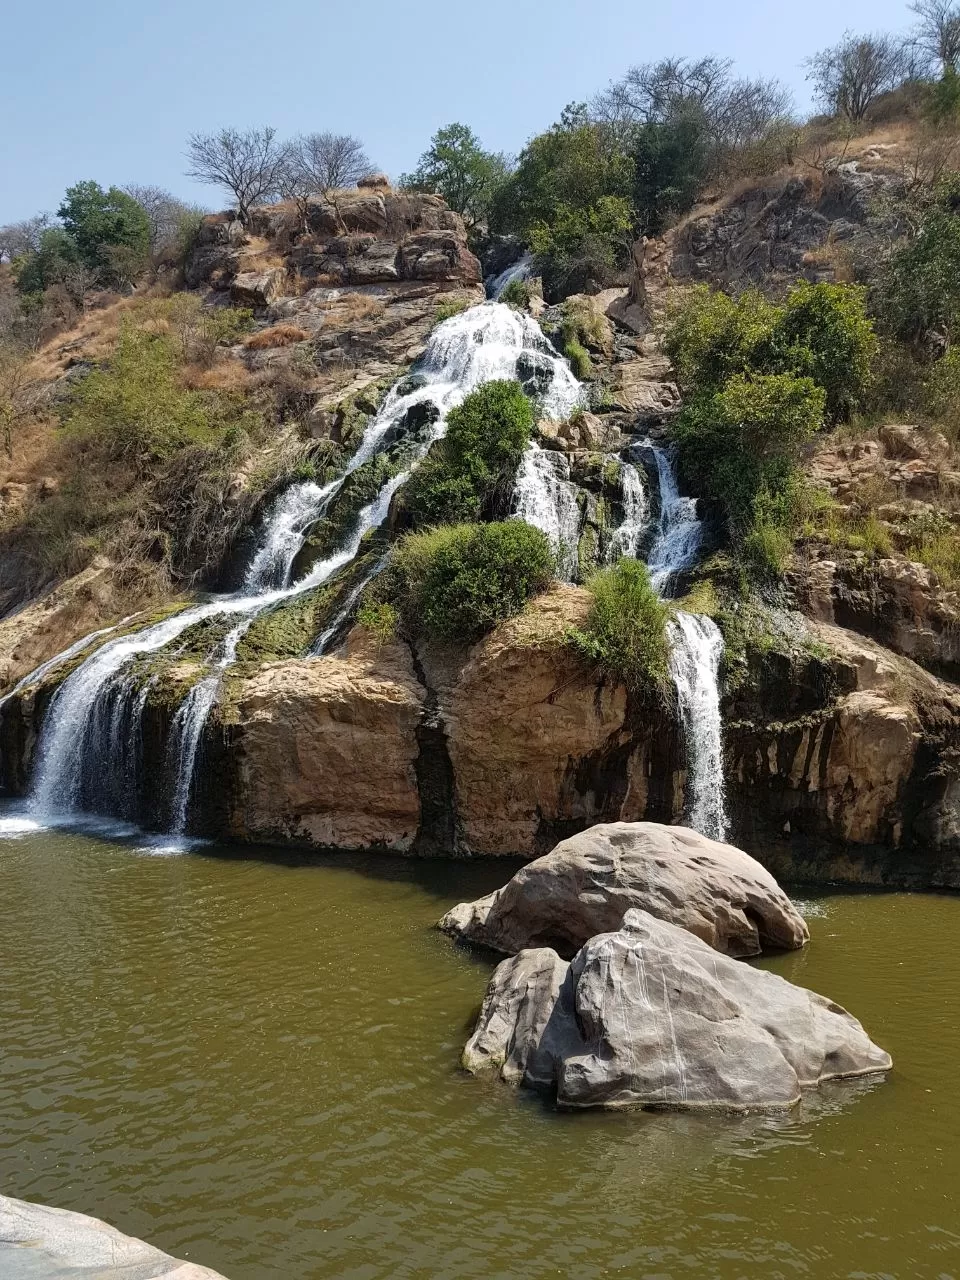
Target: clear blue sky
{"points": [[110, 90]]}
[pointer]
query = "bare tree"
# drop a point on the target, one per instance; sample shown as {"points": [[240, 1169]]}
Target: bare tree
{"points": [[22, 237], [165, 213], [331, 161], [850, 76], [937, 31], [247, 164], [734, 112], [321, 164]]}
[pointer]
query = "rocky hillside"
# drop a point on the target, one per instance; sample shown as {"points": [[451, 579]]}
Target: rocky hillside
{"points": [[841, 718]]}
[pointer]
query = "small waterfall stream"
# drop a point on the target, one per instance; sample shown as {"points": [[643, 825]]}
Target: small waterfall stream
{"points": [[91, 737], [696, 647], [546, 497]]}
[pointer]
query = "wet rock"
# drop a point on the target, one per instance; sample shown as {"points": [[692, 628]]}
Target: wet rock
{"points": [[39, 1241], [650, 1016], [588, 883]]}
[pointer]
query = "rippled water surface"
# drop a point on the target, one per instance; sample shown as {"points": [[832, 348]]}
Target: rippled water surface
{"points": [[254, 1065]]}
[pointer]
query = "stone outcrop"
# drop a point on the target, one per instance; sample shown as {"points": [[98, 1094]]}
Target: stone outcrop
{"points": [[39, 1241], [325, 751], [650, 1016], [773, 232], [587, 883], [842, 763], [371, 235]]}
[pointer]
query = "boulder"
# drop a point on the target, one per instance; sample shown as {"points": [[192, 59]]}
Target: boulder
{"points": [[650, 1016], [258, 288], [587, 884], [39, 1241]]}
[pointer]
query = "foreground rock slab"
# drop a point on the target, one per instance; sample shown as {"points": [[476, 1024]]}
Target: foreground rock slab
{"points": [[650, 1016], [587, 884], [37, 1241]]}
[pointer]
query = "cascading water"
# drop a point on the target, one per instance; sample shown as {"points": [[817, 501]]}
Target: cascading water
{"points": [[522, 269], [626, 538], [546, 498], [94, 719], [696, 647]]}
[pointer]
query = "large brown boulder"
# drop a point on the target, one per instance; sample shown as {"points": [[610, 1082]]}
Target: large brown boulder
{"points": [[39, 1241], [650, 1016], [589, 882]]}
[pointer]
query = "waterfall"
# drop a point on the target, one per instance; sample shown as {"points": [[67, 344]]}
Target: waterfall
{"points": [[92, 729], [522, 269], [636, 512], [546, 498], [696, 647], [679, 535]]}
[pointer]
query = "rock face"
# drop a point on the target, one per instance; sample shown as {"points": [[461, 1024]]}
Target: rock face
{"points": [[589, 882], [327, 751], [650, 1016], [38, 1241]]}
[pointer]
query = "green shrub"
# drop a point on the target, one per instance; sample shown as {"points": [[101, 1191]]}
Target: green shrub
{"points": [[580, 363], [456, 583], [517, 294], [136, 406], [741, 445], [486, 437], [821, 332], [624, 635], [379, 618], [916, 292], [710, 336], [452, 307]]}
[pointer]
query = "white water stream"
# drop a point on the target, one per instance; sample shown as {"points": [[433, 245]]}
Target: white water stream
{"points": [[91, 735]]}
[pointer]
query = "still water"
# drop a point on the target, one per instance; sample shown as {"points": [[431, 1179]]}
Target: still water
{"points": [[252, 1063]]}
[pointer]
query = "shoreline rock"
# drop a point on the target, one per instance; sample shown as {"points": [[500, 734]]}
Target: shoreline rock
{"points": [[71, 1245]]}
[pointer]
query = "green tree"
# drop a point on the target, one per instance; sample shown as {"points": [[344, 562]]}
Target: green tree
{"points": [[53, 261], [916, 293], [110, 229], [670, 162], [456, 167]]}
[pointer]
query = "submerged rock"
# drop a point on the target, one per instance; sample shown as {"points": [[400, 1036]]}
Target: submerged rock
{"points": [[587, 884], [650, 1016], [39, 1241]]}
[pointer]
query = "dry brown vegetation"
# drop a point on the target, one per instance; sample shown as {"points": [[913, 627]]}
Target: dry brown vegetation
{"points": [[278, 335]]}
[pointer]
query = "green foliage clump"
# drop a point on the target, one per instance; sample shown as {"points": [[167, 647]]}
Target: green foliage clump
{"points": [[452, 307], [110, 229], [380, 619], [670, 161], [821, 331], [517, 294], [624, 635], [762, 379], [916, 292], [458, 582], [740, 446], [486, 437], [136, 406], [456, 167]]}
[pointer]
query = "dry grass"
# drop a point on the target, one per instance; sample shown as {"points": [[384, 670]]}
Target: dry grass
{"points": [[350, 307], [224, 375], [279, 335]]}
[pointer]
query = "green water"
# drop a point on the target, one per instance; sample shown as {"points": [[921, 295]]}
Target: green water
{"points": [[254, 1065]]}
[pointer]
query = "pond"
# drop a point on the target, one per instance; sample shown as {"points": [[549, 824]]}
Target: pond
{"points": [[251, 1060]]}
